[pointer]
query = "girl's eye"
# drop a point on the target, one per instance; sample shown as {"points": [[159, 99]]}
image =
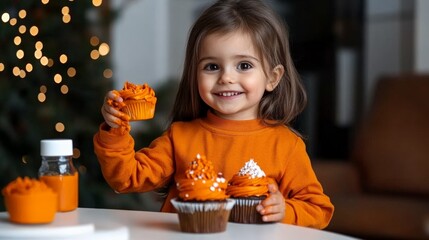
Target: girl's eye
{"points": [[211, 67], [244, 66]]}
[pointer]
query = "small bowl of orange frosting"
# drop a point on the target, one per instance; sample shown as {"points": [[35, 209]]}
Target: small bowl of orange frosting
{"points": [[29, 201]]}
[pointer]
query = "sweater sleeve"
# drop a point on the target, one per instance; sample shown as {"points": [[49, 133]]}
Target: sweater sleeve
{"points": [[306, 204], [126, 170]]}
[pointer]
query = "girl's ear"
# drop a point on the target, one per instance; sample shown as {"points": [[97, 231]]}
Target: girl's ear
{"points": [[274, 77]]}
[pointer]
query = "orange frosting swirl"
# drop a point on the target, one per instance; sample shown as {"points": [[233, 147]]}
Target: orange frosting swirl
{"points": [[24, 186], [132, 91], [250, 181], [201, 182], [246, 186]]}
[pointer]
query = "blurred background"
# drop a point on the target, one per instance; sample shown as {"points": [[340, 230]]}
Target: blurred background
{"points": [[59, 58]]}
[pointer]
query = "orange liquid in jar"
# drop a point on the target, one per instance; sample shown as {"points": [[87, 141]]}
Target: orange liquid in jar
{"points": [[66, 187]]}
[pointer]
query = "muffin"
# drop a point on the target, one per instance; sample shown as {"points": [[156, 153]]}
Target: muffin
{"points": [[29, 201], [248, 188], [139, 101], [202, 205]]}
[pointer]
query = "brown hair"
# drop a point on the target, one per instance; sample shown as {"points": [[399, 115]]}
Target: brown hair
{"points": [[269, 36]]}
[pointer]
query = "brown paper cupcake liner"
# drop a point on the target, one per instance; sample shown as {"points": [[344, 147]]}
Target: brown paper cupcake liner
{"points": [[244, 211], [203, 217]]}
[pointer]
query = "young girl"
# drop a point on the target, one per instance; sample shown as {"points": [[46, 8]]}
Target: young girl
{"points": [[238, 94]]}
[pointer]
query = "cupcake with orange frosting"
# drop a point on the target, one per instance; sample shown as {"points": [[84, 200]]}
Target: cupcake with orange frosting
{"points": [[29, 201], [202, 205], [139, 101], [248, 188]]}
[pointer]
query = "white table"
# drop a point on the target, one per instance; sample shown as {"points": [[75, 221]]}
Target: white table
{"points": [[92, 223]]}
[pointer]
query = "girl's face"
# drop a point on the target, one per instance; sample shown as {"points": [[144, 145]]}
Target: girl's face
{"points": [[230, 75]]}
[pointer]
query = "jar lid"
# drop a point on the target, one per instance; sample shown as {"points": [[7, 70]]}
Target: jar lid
{"points": [[56, 147]]}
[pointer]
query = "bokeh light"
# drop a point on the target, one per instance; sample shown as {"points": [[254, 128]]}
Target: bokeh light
{"points": [[95, 54], [17, 40], [59, 127], [58, 78], [71, 72], [97, 3], [64, 89], [41, 97], [5, 17], [108, 73], [104, 49]]}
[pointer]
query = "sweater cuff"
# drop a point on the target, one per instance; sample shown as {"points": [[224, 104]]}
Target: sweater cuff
{"points": [[113, 137], [289, 214]]}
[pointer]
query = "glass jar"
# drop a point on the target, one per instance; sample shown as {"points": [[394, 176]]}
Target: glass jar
{"points": [[58, 172]]}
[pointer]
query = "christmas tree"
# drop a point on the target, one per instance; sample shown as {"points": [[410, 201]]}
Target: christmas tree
{"points": [[54, 72]]}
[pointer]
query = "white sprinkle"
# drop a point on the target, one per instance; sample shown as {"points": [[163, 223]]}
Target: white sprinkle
{"points": [[252, 169], [212, 189]]}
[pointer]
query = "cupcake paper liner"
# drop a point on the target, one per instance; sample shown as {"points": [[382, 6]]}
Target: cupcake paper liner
{"points": [[244, 211], [139, 109], [203, 217]]}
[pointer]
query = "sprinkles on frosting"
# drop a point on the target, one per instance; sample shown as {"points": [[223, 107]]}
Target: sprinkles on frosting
{"points": [[252, 170], [201, 170]]}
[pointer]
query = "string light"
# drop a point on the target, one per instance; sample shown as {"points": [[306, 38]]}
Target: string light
{"points": [[97, 3], [38, 45], [63, 58], [50, 62], [38, 54], [58, 78], [20, 54], [66, 18], [44, 61], [43, 89], [95, 54], [34, 31], [104, 49], [59, 127], [41, 97], [64, 89], [108, 73], [22, 14], [17, 40], [22, 70], [22, 29], [22, 74], [71, 72], [16, 71], [13, 21], [5, 17], [65, 10], [94, 41], [29, 67]]}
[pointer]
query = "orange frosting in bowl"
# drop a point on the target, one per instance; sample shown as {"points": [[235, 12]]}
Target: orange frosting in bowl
{"points": [[202, 183], [30, 201]]}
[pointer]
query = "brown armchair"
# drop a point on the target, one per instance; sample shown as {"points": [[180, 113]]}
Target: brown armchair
{"points": [[382, 191]]}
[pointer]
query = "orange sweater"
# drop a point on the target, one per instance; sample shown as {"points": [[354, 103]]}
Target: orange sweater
{"points": [[229, 144]]}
